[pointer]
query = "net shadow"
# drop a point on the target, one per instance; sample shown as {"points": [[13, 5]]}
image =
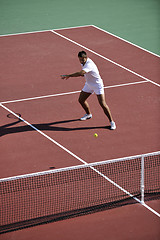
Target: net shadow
{"points": [[75, 213]]}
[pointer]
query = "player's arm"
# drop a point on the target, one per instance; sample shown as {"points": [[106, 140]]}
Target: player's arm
{"points": [[76, 74]]}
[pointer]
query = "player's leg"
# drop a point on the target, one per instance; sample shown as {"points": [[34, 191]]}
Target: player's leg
{"points": [[82, 100], [102, 102], [99, 90]]}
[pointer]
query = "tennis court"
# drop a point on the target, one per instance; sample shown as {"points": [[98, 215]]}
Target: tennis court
{"points": [[58, 181], [41, 131]]}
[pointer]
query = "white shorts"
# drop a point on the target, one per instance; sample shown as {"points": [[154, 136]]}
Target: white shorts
{"points": [[98, 88]]}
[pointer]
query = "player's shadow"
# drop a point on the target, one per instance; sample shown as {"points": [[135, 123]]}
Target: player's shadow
{"points": [[11, 128]]}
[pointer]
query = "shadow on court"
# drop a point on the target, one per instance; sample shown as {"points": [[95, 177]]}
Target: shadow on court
{"points": [[11, 128]]}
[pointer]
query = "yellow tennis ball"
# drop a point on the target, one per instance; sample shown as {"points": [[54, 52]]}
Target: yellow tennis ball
{"points": [[95, 135]]}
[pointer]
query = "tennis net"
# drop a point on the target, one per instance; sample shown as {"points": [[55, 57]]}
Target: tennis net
{"points": [[53, 195]]}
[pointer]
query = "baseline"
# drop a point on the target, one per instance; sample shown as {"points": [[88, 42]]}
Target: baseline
{"points": [[90, 25], [15, 34]]}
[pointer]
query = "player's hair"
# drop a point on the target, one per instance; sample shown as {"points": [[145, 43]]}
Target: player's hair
{"points": [[82, 54]]}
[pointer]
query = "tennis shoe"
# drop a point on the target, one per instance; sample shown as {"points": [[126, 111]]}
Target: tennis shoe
{"points": [[113, 125], [86, 116]]}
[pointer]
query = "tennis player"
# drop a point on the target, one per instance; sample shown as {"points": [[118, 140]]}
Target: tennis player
{"points": [[93, 84]]}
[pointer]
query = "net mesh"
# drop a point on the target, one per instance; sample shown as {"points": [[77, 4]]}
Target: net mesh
{"points": [[57, 194], [152, 175]]}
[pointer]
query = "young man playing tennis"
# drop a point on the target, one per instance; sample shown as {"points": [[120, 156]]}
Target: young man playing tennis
{"points": [[94, 84]]}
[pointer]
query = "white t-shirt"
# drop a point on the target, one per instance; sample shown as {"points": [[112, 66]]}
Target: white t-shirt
{"points": [[92, 75]]}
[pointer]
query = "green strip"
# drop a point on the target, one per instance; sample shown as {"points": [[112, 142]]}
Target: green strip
{"points": [[137, 21]]}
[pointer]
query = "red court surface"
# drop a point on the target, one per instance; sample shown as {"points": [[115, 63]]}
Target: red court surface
{"points": [[31, 67]]}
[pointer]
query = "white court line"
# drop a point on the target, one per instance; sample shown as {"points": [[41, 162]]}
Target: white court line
{"points": [[81, 160], [69, 93], [41, 31], [45, 135], [23, 33], [30, 32], [150, 209], [105, 58], [40, 97]]}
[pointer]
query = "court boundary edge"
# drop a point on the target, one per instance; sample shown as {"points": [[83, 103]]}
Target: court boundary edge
{"points": [[53, 31], [41, 31], [90, 25]]}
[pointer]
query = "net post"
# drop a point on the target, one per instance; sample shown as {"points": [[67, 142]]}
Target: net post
{"points": [[142, 179]]}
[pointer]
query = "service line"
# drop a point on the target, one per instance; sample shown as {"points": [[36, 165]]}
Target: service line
{"points": [[69, 93]]}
